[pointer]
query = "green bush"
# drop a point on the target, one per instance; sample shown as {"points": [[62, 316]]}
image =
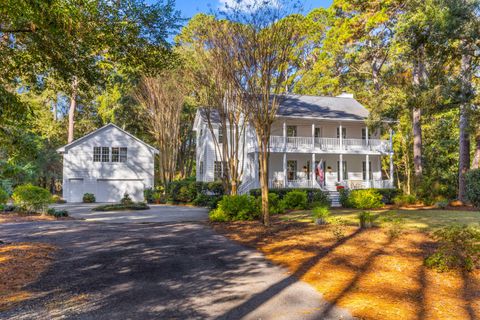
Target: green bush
{"points": [[442, 204], [472, 182], [338, 227], [88, 198], [31, 198], [234, 208], [275, 205], [295, 199], [366, 219], [394, 224], [404, 199], [344, 197], [57, 213], [459, 247], [126, 200], [57, 199], [3, 196], [388, 195], [119, 207], [148, 195], [365, 199], [315, 197], [187, 191], [320, 214], [204, 200]]}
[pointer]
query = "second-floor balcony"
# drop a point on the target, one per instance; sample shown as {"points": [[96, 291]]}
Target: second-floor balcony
{"points": [[325, 145]]}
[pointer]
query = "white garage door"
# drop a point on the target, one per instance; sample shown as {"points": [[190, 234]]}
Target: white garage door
{"points": [[112, 190], [75, 190]]}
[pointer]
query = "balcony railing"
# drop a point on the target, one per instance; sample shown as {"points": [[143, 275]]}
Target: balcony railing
{"points": [[351, 184], [309, 144]]}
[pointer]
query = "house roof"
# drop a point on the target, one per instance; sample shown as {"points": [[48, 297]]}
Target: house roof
{"points": [[303, 106], [93, 133]]}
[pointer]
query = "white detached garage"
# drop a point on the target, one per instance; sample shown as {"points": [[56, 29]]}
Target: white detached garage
{"points": [[107, 162]]}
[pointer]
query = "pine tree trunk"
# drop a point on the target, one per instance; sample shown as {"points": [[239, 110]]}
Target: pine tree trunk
{"points": [[418, 81], [464, 141], [476, 157], [72, 109]]}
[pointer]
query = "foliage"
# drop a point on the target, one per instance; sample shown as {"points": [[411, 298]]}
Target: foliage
{"points": [[295, 199], [234, 208], [188, 190], [126, 200], [388, 195], [206, 200], [88, 198], [473, 187], [57, 213], [3, 196], [315, 197], [57, 199], [31, 198], [344, 196], [459, 247], [366, 219], [320, 214], [119, 207], [365, 199], [275, 205], [338, 227], [405, 199], [443, 204], [394, 225]]}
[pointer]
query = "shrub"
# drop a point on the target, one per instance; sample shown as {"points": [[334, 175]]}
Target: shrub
{"points": [[119, 206], [233, 208], [472, 182], [338, 227], [442, 204], [148, 195], [315, 197], [3, 196], [88, 198], [404, 199], [343, 198], [295, 199], [57, 213], [186, 191], [388, 195], [275, 205], [394, 225], [31, 198], [365, 199], [320, 215], [126, 200], [459, 247], [366, 219], [204, 200], [57, 199]]}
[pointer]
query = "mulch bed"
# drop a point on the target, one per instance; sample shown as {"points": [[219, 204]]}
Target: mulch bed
{"points": [[366, 272], [21, 264], [8, 217]]}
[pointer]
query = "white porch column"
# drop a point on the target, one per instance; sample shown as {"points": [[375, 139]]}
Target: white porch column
{"points": [[340, 129], [284, 169], [341, 168], [313, 136], [367, 170], [284, 136], [366, 137], [312, 172]]}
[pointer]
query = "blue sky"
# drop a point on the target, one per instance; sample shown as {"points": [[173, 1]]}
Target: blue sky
{"points": [[191, 7]]}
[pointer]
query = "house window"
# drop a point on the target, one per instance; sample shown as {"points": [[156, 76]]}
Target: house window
{"points": [[364, 134], [292, 170], [105, 154], [201, 168], [318, 132], [364, 170], [115, 154], [220, 135], [344, 133], [97, 151], [345, 171], [291, 131], [219, 170], [306, 170], [123, 154]]}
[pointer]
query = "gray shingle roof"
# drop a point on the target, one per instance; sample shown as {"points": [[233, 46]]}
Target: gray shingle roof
{"points": [[300, 106]]}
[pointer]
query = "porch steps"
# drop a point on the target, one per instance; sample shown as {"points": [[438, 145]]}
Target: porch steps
{"points": [[335, 198]]}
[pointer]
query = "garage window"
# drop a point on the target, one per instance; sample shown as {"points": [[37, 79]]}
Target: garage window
{"points": [[105, 154], [97, 151], [123, 154]]}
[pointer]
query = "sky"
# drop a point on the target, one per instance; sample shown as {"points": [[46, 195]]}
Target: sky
{"points": [[189, 8]]}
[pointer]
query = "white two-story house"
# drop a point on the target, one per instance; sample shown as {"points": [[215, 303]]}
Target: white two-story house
{"points": [[315, 142]]}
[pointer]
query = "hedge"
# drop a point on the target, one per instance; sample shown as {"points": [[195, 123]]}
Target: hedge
{"points": [[315, 197]]}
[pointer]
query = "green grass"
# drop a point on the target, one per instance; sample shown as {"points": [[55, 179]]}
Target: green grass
{"points": [[413, 219]]}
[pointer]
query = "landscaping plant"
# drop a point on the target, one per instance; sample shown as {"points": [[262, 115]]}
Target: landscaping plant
{"points": [[338, 227], [365, 199], [3, 197], [88, 198], [234, 208], [31, 198], [57, 213], [404, 199], [275, 205], [366, 219], [295, 199], [119, 206], [459, 247], [126, 200], [320, 215], [394, 225], [472, 183]]}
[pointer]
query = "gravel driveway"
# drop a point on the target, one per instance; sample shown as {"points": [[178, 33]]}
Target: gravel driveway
{"points": [[158, 271]]}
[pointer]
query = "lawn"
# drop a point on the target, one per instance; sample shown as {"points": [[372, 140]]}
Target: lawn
{"points": [[366, 271]]}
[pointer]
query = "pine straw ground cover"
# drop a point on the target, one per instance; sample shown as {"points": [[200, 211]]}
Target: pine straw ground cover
{"points": [[366, 272], [8, 217], [20, 265]]}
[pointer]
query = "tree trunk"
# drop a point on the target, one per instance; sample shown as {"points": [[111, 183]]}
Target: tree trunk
{"points": [[418, 81], [72, 109], [464, 141], [263, 159], [476, 157]]}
